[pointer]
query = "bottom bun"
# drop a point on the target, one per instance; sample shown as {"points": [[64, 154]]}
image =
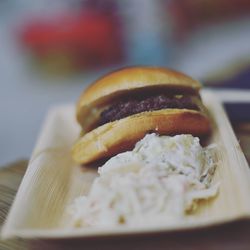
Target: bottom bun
{"points": [[121, 135]]}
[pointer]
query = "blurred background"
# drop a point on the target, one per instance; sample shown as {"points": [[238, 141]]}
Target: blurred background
{"points": [[51, 50]]}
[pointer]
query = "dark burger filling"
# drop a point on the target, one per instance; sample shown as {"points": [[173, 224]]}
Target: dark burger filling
{"points": [[127, 107]]}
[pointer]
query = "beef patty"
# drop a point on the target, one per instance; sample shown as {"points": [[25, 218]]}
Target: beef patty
{"points": [[129, 107]]}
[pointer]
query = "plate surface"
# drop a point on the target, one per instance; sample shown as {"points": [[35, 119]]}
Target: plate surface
{"points": [[52, 181]]}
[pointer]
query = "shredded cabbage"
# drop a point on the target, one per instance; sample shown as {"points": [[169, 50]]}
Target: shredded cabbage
{"points": [[159, 181]]}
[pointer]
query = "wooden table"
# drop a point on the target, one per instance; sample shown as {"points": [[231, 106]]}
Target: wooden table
{"points": [[231, 236]]}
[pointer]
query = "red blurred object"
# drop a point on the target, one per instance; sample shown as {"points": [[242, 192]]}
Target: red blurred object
{"points": [[190, 14], [89, 38]]}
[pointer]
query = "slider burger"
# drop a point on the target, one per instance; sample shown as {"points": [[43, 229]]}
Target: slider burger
{"points": [[120, 108]]}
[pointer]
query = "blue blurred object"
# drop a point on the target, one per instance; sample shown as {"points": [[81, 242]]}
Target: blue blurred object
{"points": [[240, 80], [148, 37], [238, 112], [233, 87], [236, 103]]}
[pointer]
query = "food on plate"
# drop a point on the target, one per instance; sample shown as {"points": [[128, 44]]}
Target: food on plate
{"points": [[159, 182], [122, 107], [159, 112]]}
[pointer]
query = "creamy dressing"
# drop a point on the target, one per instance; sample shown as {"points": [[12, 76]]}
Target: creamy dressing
{"points": [[159, 181]]}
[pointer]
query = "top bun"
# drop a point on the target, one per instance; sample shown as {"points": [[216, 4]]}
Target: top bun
{"points": [[119, 82]]}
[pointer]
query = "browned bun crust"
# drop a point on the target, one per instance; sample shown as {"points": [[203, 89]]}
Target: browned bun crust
{"points": [[128, 79], [121, 135]]}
